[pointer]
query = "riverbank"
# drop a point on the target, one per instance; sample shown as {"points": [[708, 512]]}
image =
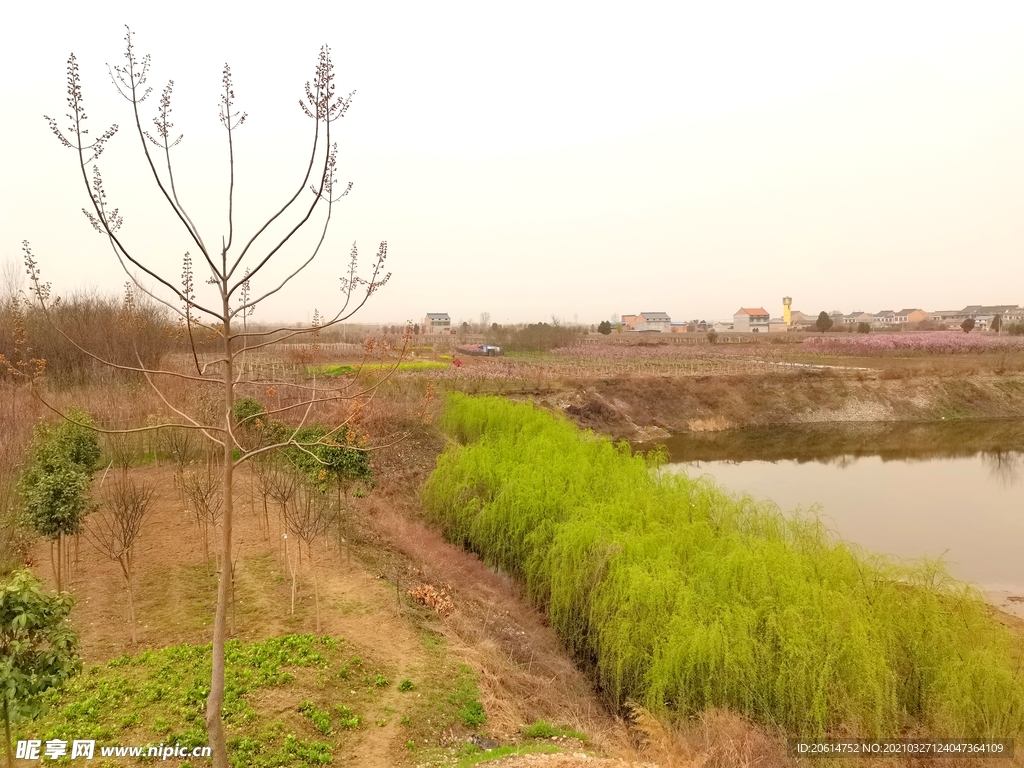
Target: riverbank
{"points": [[650, 408], [680, 597]]}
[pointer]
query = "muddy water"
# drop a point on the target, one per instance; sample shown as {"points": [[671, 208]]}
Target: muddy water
{"points": [[954, 491]]}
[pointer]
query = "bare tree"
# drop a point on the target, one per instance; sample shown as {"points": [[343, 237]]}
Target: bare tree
{"points": [[218, 299], [115, 527], [308, 518], [123, 450], [12, 281], [180, 445], [283, 484], [203, 491], [260, 480]]}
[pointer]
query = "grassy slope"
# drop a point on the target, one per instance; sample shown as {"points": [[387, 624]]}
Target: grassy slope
{"points": [[682, 598]]}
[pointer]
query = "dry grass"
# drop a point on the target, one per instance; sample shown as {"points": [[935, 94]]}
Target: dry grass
{"points": [[712, 424]]}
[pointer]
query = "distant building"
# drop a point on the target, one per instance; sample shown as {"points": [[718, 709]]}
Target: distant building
{"points": [[648, 321], [778, 325], [680, 327], [911, 316], [982, 314], [748, 320], [1015, 315], [437, 322], [798, 318], [630, 321], [884, 319], [654, 321], [721, 327], [948, 316], [856, 318]]}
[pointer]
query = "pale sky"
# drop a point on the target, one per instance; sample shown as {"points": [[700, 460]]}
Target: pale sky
{"points": [[570, 159]]}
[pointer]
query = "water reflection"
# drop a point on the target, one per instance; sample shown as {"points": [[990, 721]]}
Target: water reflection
{"points": [[892, 441], [1005, 467], [910, 491]]}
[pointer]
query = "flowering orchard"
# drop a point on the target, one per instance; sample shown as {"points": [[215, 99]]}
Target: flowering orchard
{"points": [[933, 343]]}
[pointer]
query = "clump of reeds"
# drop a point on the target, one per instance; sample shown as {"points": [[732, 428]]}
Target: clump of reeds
{"points": [[682, 598]]}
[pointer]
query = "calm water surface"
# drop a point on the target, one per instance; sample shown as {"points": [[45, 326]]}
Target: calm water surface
{"points": [[949, 490]]}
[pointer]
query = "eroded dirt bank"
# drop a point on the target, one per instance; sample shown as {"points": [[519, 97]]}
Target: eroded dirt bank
{"points": [[643, 408]]}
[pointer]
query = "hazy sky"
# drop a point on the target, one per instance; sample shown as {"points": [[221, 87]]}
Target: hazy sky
{"points": [[568, 159]]}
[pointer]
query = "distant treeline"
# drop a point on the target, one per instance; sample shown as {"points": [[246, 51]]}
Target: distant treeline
{"points": [[536, 337]]}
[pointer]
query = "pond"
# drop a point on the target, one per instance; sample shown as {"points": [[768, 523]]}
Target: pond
{"points": [[949, 490]]}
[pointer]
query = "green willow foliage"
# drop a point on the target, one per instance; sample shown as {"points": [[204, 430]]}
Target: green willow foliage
{"points": [[681, 597]]}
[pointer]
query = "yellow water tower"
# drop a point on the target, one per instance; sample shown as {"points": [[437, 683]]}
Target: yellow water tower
{"points": [[787, 304]]}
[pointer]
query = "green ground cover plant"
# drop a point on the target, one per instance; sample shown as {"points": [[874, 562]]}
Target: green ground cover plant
{"points": [[159, 696], [473, 755], [348, 369], [545, 730], [680, 597]]}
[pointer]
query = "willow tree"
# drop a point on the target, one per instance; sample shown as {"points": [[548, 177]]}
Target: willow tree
{"points": [[219, 286]]}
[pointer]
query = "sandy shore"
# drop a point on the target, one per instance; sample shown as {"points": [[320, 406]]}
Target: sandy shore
{"points": [[1007, 601]]}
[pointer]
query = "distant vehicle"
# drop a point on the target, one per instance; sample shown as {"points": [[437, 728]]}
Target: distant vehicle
{"points": [[481, 350]]}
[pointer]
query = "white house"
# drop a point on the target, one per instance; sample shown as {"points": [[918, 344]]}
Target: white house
{"points": [[855, 318], [748, 320], [654, 321], [437, 322]]}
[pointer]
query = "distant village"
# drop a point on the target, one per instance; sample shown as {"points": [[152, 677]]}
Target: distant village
{"points": [[980, 317], [759, 320]]}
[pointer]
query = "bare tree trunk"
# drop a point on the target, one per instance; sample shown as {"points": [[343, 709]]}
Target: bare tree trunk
{"points": [[232, 599], [60, 540], [214, 722], [282, 541], [291, 568], [7, 732], [316, 588], [126, 569]]}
